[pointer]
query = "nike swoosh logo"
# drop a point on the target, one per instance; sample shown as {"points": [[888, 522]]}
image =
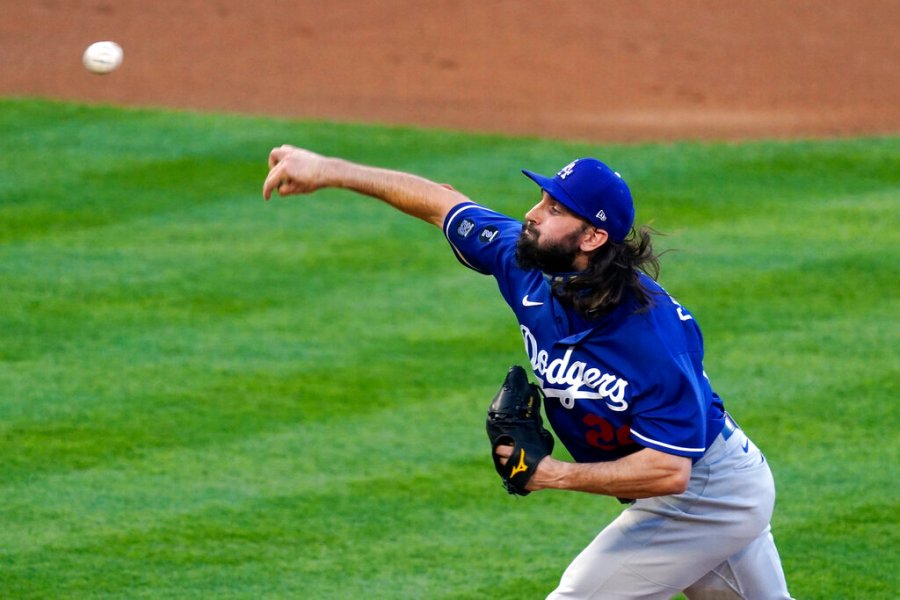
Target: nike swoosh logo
{"points": [[527, 302], [746, 446]]}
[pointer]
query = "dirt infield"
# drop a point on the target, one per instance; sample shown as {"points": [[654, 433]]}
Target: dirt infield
{"points": [[602, 70]]}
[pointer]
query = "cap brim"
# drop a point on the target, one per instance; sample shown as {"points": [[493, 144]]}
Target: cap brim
{"points": [[550, 186]]}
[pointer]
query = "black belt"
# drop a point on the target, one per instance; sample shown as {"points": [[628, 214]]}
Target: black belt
{"points": [[729, 427]]}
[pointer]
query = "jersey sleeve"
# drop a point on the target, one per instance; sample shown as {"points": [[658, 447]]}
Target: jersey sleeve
{"points": [[481, 239], [671, 417]]}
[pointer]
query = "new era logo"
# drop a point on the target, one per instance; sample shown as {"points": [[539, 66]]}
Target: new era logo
{"points": [[602, 216]]}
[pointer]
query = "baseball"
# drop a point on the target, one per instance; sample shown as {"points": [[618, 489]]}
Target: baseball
{"points": [[102, 57]]}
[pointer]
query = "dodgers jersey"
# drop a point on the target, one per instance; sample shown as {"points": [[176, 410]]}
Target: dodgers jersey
{"points": [[614, 385]]}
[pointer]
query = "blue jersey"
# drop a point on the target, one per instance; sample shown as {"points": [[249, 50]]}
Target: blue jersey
{"points": [[629, 380]]}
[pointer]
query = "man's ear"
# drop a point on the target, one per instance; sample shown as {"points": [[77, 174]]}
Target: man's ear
{"points": [[592, 239]]}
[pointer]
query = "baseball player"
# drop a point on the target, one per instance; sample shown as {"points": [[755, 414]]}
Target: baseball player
{"points": [[620, 364]]}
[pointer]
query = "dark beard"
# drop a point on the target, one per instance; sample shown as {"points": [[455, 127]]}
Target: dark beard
{"points": [[558, 257]]}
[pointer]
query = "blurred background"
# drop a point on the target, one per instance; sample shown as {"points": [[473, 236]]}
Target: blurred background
{"points": [[611, 70]]}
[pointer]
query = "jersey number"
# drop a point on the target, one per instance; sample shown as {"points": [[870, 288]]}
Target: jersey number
{"points": [[603, 436]]}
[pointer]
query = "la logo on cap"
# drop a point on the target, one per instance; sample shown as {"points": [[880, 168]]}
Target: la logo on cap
{"points": [[566, 170]]}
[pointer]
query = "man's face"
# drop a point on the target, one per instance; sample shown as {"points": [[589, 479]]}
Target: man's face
{"points": [[551, 238]]}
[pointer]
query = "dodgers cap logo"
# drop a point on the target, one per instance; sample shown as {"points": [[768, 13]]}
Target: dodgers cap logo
{"points": [[594, 192]]}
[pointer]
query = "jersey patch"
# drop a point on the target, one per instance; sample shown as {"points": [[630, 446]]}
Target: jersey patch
{"points": [[464, 228], [488, 234]]}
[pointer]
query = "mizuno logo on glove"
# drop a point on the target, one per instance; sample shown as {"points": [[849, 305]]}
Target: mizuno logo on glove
{"points": [[521, 467]]}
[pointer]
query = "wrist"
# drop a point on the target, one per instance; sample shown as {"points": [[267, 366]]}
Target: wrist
{"points": [[333, 172], [551, 473]]}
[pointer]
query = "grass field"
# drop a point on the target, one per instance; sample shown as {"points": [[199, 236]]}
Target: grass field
{"points": [[203, 395]]}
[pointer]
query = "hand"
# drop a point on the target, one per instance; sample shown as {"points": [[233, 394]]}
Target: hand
{"points": [[542, 473], [294, 171]]}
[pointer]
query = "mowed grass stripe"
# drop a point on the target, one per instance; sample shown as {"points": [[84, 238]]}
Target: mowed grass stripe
{"points": [[279, 501], [305, 458]]}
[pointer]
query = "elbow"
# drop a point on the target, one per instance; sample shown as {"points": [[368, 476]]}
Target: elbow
{"points": [[660, 474], [678, 483], [673, 475], [677, 480], [442, 203]]}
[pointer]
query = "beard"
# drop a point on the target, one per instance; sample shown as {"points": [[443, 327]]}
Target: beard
{"points": [[554, 257]]}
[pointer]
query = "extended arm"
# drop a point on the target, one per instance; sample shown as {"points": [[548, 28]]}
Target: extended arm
{"points": [[644, 474], [297, 171]]}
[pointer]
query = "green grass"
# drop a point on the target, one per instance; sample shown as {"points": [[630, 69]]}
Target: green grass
{"points": [[206, 395]]}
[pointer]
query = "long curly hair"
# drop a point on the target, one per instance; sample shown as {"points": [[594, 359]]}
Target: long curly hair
{"points": [[612, 273]]}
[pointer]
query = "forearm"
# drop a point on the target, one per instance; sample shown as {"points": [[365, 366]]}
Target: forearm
{"points": [[294, 170], [644, 474], [411, 194]]}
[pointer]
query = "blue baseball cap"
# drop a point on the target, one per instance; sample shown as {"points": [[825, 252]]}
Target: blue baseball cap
{"points": [[594, 192]]}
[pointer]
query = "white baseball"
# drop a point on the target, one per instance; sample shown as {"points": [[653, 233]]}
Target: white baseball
{"points": [[102, 57]]}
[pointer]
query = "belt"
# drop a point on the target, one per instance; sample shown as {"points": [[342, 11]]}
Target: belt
{"points": [[729, 427]]}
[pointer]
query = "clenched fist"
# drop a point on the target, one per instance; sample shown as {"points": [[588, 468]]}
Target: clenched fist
{"points": [[294, 170]]}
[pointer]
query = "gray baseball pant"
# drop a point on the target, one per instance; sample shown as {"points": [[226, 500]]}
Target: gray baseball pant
{"points": [[711, 542]]}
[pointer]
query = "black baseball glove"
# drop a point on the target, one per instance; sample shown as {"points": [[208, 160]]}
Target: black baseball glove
{"points": [[514, 419]]}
